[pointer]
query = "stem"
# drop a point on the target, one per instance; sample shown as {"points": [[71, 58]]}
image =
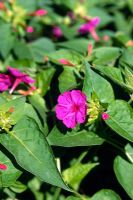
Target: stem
{"points": [[82, 156], [57, 193], [115, 145], [80, 196]]}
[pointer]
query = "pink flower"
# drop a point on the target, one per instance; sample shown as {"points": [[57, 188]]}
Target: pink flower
{"points": [[3, 166], [57, 32], [90, 27], [65, 62], [72, 108], [19, 77], [41, 12], [5, 82], [105, 116], [29, 29]]}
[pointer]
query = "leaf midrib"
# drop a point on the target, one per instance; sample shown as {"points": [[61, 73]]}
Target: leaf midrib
{"points": [[23, 144]]}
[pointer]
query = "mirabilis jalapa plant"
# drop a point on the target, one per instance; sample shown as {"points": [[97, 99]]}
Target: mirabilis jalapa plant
{"points": [[66, 100]]}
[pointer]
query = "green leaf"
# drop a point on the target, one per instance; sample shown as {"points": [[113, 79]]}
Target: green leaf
{"points": [[105, 55], [130, 5], [115, 75], [44, 78], [93, 82], [39, 104], [121, 23], [66, 83], [32, 152], [129, 152], [120, 119], [105, 194], [29, 5], [69, 55], [18, 187], [6, 39], [72, 139], [76, 173], [128, 77], [69, 31], [35, 185], [124, 174], [10, 175], [18, 104], [40, 47], [126, 59], [31, 113], [100, 12], [22, 50], [79, 45], [72, 198]]}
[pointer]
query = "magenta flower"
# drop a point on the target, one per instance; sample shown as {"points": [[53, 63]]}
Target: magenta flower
{"points": [[29, 29], [105, 116], [57, 32], [5, 82], [90, 26], [72, 108], [41, 12], [19, 77]]}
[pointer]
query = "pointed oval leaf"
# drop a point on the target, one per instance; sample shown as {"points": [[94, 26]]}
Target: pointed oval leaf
{"points": [[120, 119], [72, 139], [124, 174], [93, 82], [105, 195], [32, 152]]}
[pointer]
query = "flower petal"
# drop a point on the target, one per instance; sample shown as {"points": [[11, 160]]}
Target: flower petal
{"points": [[61, 112], [70, 121], [65, 99], [81, 116], [78, 97]]}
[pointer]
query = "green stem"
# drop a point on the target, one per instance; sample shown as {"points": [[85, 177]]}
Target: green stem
{"points": [[57, 193], [115, 145], [80, 196]]}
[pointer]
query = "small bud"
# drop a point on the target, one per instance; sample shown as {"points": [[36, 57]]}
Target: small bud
{"points": [[29, 29], [3, 167], [90, 48], [105, 38], [105, 116], [65, 62], [11, 110], [129, 43]]}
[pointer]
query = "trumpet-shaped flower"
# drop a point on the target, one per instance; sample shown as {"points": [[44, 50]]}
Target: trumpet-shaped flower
{"points": [[72, 108], [5, 82], [90, 26], [19, 77]]}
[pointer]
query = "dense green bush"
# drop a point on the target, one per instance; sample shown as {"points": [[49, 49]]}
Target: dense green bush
{"points": [[66, 83]]}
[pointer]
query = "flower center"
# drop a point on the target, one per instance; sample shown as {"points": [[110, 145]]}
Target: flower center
{"points": [[75, 108]]}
